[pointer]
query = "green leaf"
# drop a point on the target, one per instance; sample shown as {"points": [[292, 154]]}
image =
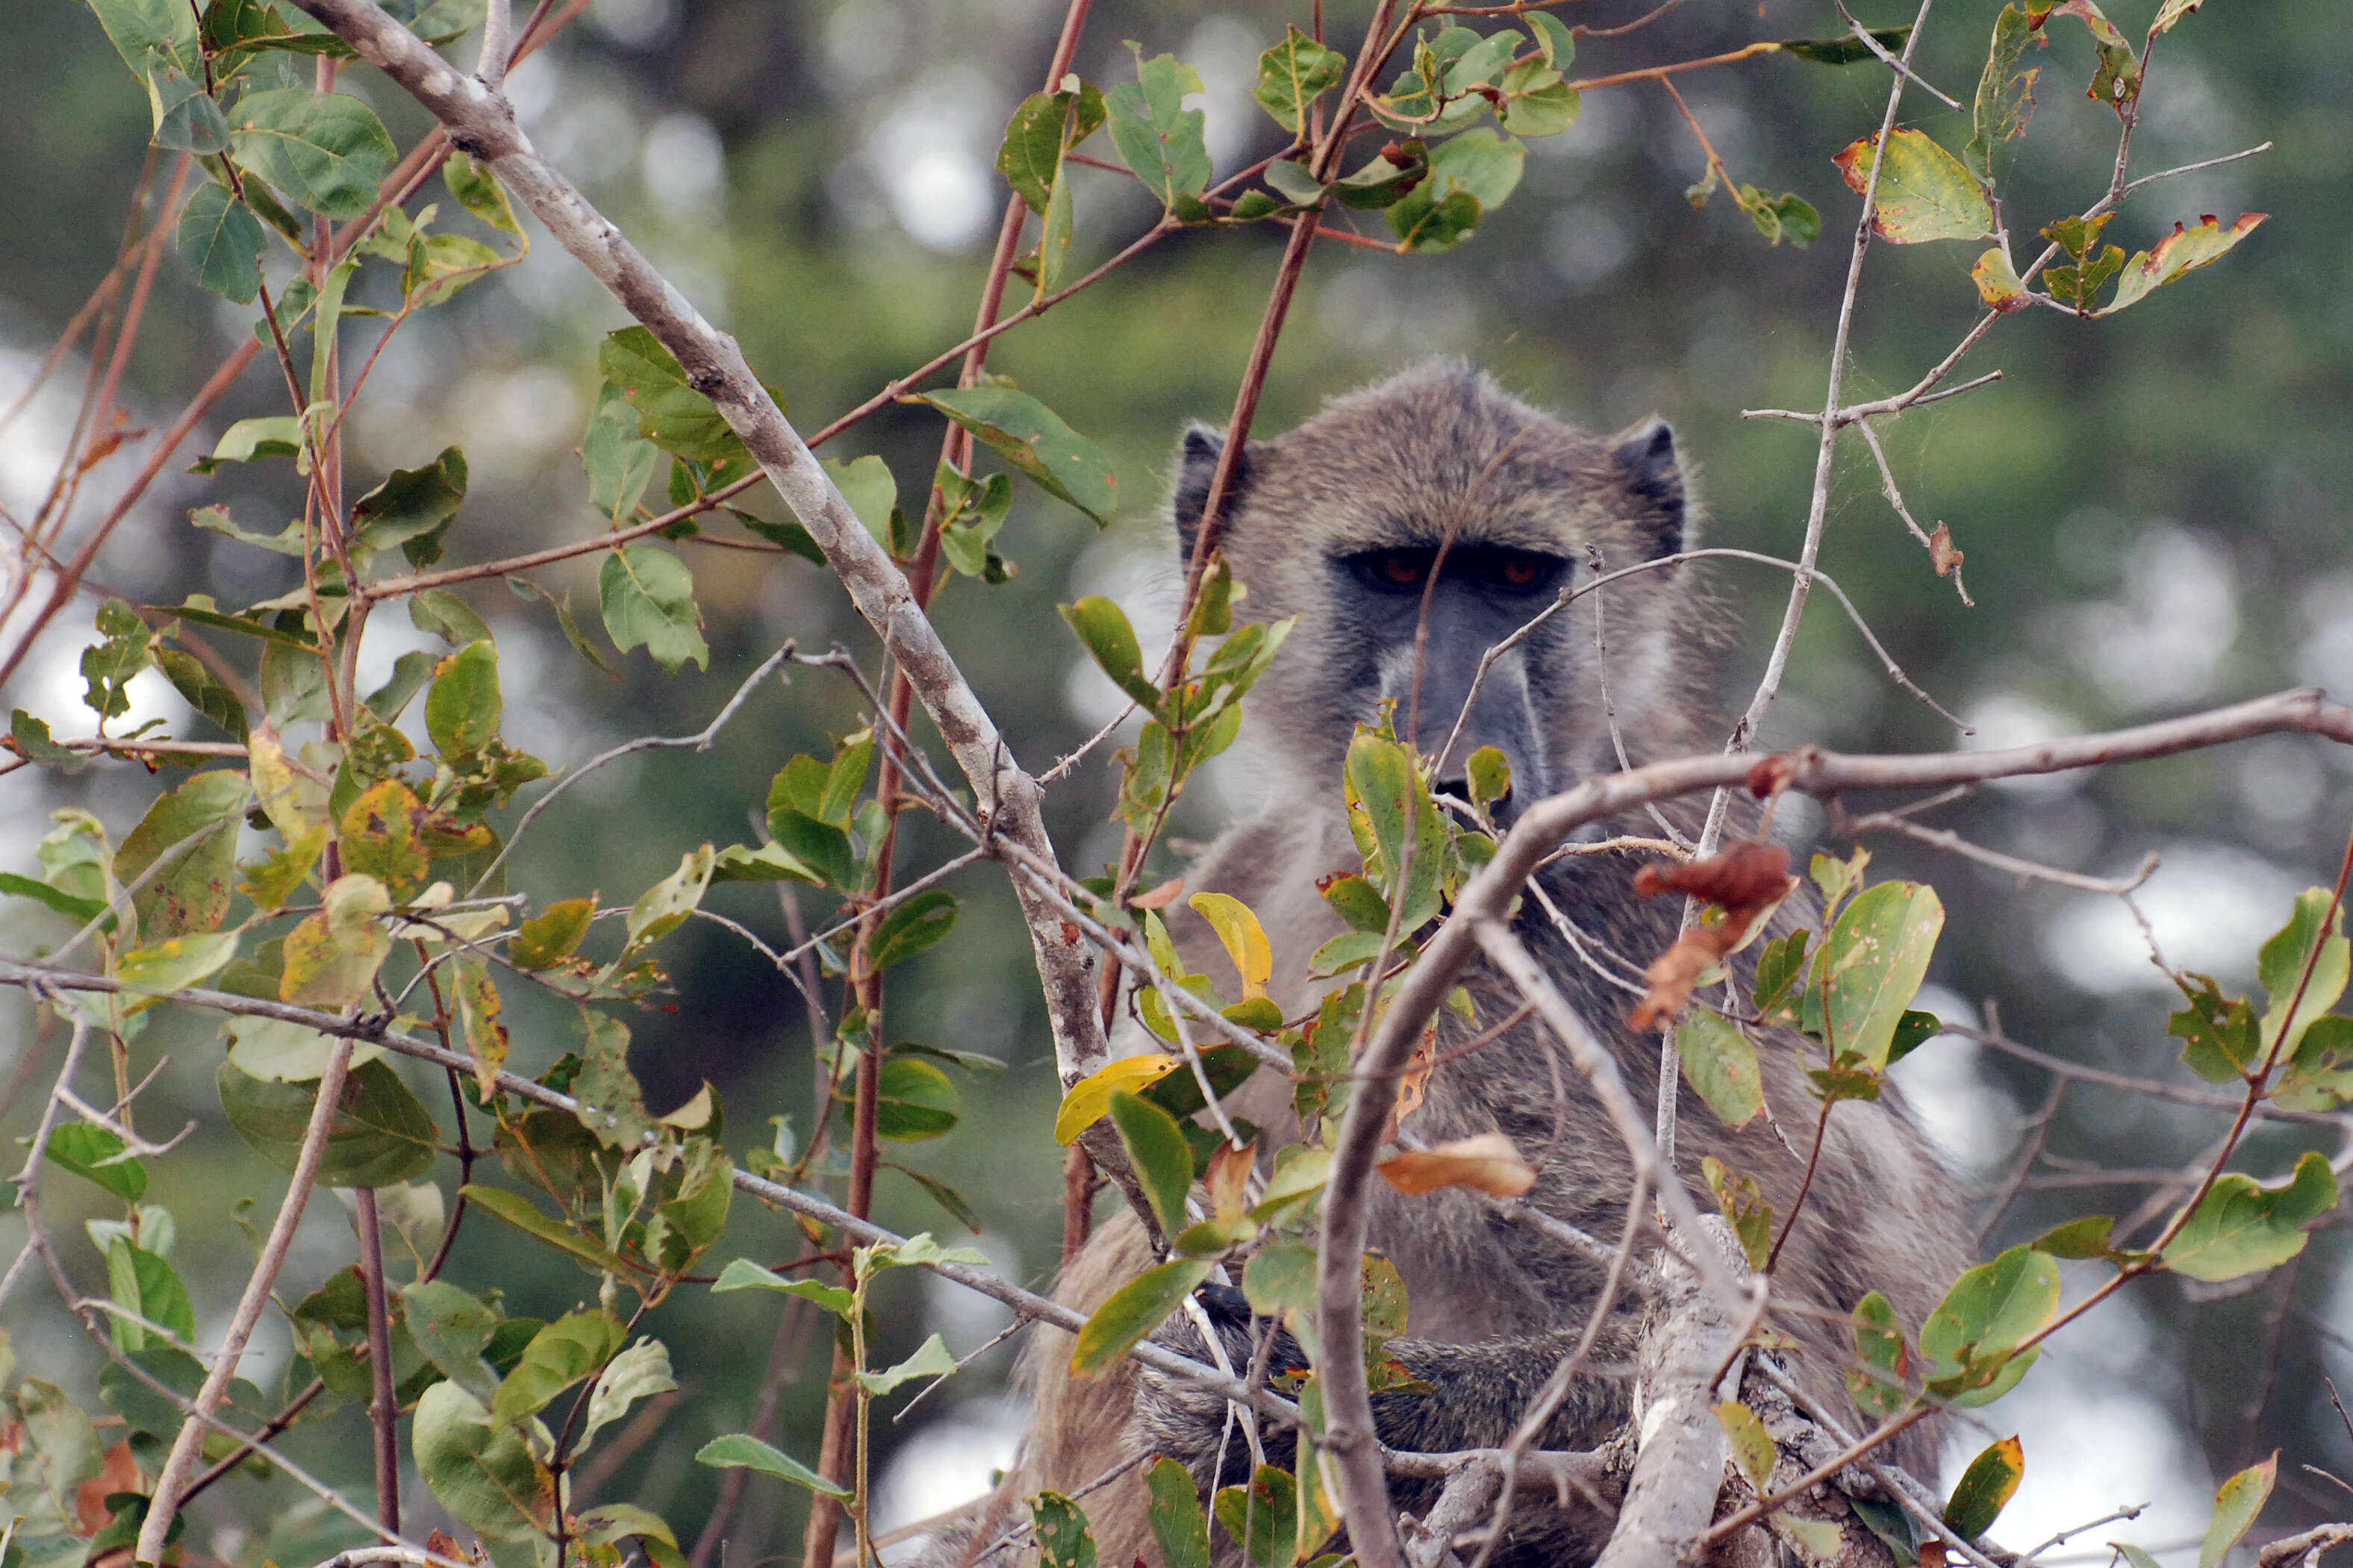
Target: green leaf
{"points": [[1164, 1160], [1846, 51], [1158, 138], [464, 708], [931, 1360], [31, 738], [2221, 1041], [477, 191], [742, 1273], [1262, 1516], [191, 892], [1912, 1030], [446, 617], [482, 1471], [741, 1450], [2005, 94], [1985, 1489], [1870, 967], [2241, 1227], [1924, 192], [564, 1353], [921, 922], [1133, 1310], [413, 508], [1042, 129], [149, 32], [1174, 1514], [2241, 1499], [1033, 439], [648, 596], [1294, 74], [156, 971], [64, 903], [636, 1374], [1752, 1445], [551, 936], [203, 690], [670, 414], [124, 649], [221, 242], [2305, 964], [914, 1101], [95, 1154], [142, 1282], [612, 1106], [1537, 102], [663, 908], [1744, 1209], [1877, 1387], [333, 957], [380, 1136], [327, 151], [185, 117], [869, 488], [1719, 1062], [1468, 175], [619, 462], [1064, 1538], [1971, 1336], [518, 1212], [453, 1330], [2078, 1238], [1103, 627]]}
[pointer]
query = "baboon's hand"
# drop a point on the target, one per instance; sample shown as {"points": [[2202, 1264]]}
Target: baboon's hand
{"points": [[1178, 1418]]}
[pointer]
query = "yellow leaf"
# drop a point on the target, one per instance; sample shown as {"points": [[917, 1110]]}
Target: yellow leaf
{"points": [[1245, 941], [1487, 1162], [1090, 1098]]}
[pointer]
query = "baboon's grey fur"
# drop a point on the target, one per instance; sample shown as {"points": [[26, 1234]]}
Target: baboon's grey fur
{"points": [[1440, 450]]}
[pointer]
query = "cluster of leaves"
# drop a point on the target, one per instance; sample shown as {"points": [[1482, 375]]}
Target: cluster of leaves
{"points": [[1926, 193]]}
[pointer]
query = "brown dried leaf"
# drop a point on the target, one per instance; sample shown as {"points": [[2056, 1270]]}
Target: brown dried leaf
{"points": [[1161, 896], [1746, 881], [1413, 1085], [1948, 560], [1229, 1169], [1487, 1162], [120, 1473]]}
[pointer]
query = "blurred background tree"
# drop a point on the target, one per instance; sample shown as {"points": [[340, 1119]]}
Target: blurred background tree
{"points": [[2154, 511]]}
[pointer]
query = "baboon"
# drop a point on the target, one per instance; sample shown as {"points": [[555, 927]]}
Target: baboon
{"points": [[1341, 523]]}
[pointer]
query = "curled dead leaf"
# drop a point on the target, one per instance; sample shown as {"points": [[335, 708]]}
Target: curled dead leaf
{"points": [[1770, 775], [1161, 896], [1487, 1163], [1746, 882], [1413, 1084], [1946, 559]]}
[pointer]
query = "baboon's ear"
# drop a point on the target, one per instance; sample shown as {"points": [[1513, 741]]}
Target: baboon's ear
{"points": [[1196, 465], [1654, 473]]}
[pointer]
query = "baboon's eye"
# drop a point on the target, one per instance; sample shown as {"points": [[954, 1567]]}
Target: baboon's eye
{"points": [[1397, 571], [1519, 573]]}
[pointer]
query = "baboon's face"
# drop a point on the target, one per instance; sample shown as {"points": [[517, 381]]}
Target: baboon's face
{"points": [[1416, 528]]}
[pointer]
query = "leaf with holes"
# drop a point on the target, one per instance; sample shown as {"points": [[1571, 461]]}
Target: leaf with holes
{"points": [[1159, 138]]}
